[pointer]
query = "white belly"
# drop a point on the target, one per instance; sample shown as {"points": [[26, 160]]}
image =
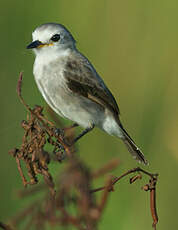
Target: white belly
{"points": [[60, 98]]}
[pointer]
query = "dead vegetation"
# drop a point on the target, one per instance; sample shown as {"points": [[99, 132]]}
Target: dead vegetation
{"points": [[71, 199]]}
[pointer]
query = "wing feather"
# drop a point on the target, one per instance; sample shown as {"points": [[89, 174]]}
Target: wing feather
{"points": [[83, 79]]}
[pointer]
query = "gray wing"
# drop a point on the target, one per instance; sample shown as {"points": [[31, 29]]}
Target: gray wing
{"points": [[83, 79]]}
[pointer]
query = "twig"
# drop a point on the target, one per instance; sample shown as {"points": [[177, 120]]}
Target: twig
{"points": [[21, 172], [19, 91], [153, 202], [5, 226], [108, 188], [116, 179], [106, 168], [151, 186], [31, 191]]}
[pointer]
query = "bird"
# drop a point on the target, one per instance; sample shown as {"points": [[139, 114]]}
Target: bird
{"points": [[71, 86]]}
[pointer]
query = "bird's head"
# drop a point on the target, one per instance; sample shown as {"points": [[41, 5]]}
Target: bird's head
{"points": [[51, 37]]}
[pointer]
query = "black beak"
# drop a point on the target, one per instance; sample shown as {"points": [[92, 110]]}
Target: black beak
{"points": [[34, 44]]}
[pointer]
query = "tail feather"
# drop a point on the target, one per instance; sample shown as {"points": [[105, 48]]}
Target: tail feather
{"points": [[133, 149]]}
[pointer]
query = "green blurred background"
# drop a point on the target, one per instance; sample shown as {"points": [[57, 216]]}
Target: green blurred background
{"points": [[133, 45]]}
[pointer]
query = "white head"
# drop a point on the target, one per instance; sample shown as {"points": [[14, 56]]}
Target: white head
{"points": [[51, 37]]}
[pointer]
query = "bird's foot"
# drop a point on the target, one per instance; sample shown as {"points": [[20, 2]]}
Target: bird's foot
{"points": [[59, 132]]}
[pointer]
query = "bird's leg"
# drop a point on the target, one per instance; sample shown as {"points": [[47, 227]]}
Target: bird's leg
{"points": [[83, 133], [70, 127], [61, 132]]}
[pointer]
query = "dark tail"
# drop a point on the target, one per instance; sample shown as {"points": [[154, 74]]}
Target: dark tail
{"points": [[131, 146]]}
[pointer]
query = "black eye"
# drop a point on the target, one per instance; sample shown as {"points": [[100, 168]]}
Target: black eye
{"points": [[55, 37]]}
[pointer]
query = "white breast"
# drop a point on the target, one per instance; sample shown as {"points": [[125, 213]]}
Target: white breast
{"points": [[48, 69]]}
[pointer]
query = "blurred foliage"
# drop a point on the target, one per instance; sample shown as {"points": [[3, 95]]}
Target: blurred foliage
{"points": [[133, 45]]}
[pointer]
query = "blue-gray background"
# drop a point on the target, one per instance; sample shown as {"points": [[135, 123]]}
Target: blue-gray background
{"points": [[133, 45]]}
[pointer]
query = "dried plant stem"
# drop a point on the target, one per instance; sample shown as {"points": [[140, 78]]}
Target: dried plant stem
{"points": [[151, 187]]}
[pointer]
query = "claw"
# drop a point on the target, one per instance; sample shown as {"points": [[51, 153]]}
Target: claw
{"points": [[59, 132]]}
